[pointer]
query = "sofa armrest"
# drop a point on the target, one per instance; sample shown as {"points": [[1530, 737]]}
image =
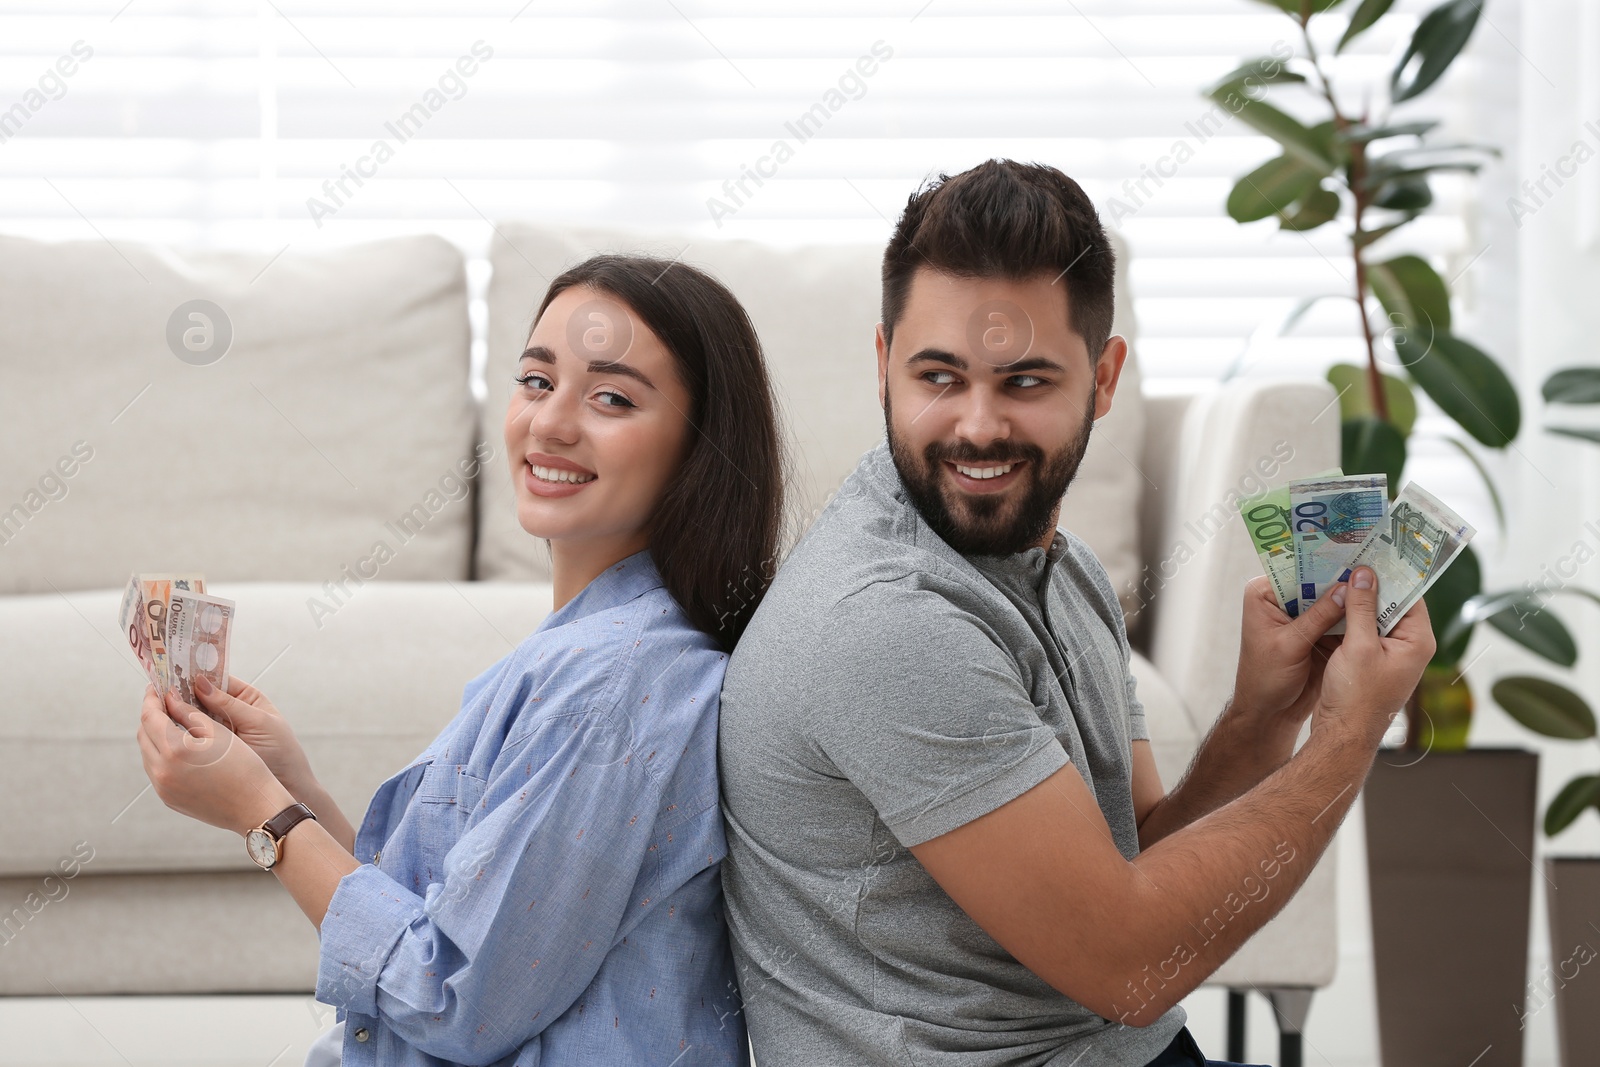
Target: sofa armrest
{"points": [[1203, 452]]}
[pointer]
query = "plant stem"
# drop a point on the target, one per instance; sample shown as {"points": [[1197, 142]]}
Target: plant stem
{"points": [[1380, 401], [1414, 714], [1358, 166]]}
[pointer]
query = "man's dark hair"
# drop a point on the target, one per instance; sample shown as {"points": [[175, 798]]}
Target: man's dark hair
{"points": [[1004, 219]]}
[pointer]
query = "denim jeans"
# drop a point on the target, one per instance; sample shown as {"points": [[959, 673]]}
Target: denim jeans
{"points": [[1183, 1052]]}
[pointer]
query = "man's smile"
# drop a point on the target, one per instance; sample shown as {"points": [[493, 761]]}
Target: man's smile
{"points": [[984, 477]]}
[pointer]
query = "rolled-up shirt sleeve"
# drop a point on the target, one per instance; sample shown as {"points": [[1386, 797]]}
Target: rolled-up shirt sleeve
{"points": [[533, 895]]}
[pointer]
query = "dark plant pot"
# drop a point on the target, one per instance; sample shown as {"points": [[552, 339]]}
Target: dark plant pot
{"points": [[1450, 871], [1572, 891]]}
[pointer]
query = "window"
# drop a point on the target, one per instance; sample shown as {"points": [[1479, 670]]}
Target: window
{"points": [[291, 123]]}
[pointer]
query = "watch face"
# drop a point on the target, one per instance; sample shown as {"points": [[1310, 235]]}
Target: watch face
{"points": [[262, 848]]}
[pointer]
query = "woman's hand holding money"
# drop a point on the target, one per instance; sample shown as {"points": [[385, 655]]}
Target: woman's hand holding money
{"points": [[254, 719], [257, 722], [199, 768]]}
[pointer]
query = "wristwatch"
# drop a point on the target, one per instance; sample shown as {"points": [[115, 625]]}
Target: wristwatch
{"points": [[265, 842]]}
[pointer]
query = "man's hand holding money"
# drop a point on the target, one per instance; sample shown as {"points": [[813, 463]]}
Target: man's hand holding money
{"points": [[1281, 661], [1369, 676]]}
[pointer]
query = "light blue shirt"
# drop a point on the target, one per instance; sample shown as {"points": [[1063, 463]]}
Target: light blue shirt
{"points": [[542, 884]]}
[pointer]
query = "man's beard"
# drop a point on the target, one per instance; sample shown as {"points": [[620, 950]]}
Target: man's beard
{"points": [[982, 524]]}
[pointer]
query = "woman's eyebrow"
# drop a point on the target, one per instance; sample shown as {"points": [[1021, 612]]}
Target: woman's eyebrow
{"points": [[602, 366]]}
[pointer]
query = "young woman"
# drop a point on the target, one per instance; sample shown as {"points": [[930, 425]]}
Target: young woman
{"points": [[541, 885]]}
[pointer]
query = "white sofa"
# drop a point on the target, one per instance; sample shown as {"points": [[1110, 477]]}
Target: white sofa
{"points": [[324, 472]]}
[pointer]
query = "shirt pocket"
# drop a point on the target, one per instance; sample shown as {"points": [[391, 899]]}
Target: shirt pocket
{"points": [[449, 783]]}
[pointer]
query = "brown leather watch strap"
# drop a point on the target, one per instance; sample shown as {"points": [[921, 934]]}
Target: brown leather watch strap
{"points": [[287, 819]]}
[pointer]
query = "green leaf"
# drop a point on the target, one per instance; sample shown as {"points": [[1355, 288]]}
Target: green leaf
{"points": [[1270, 188], [1525, 601], [1488, 482], [1371, 446], [1404, 194], [1412, 293], [1377, 177], [1545, 707], [1363, 238], [1355, 398], [1465, 382], [1312, 210], [1579, 432], [1580, 793], [1395, 156], [1446, 598], [1439, 38], [1326, 136], [1527, 623], [1297, 140], [1473, 611], [1368, 12], [1266, 70], [1358, 133], [1573, 385]]}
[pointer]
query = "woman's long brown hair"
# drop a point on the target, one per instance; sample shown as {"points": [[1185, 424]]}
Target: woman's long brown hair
{"points": [[714, 534]]}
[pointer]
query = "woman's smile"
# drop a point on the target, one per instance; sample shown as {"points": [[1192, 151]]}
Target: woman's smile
{"points": [[552, 476]]}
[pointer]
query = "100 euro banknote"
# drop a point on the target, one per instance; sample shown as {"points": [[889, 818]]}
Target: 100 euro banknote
{"points": [[1419, 538], [1266, 518]]}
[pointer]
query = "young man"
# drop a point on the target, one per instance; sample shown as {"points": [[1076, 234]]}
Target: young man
{"points": [[947, 839]]}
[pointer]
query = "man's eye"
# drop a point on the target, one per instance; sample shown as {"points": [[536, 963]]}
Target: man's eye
{"points": [[534, 381], [1027, 381], [614, 400], [939, 377]]}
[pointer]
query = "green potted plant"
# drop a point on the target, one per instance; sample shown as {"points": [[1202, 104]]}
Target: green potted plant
{"points": [[1436, 866], [1551, 709]]}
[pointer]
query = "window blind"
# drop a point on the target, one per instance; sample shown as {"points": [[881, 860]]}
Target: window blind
{"points": [[280, 124]]}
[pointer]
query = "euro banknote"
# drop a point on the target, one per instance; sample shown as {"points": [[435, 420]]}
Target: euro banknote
{"points": [[1266, 517], [1330, 518], [145, 616], [1408, 551], [1408, 546], [199, 628]]}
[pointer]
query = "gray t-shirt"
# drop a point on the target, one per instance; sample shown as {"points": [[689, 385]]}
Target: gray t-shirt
{"points": [[887, 691]]}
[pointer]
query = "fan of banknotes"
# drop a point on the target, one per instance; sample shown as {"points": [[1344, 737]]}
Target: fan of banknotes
{"points": [[1311, 533], [178, 631]]}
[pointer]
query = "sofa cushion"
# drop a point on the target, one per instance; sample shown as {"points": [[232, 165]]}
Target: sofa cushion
{"points": [[339, 415], [367, 680], [149, 934], [815, 308]]}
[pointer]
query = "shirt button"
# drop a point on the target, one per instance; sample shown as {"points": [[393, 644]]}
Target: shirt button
{"points": [[377, 855], [362, 1034]]}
